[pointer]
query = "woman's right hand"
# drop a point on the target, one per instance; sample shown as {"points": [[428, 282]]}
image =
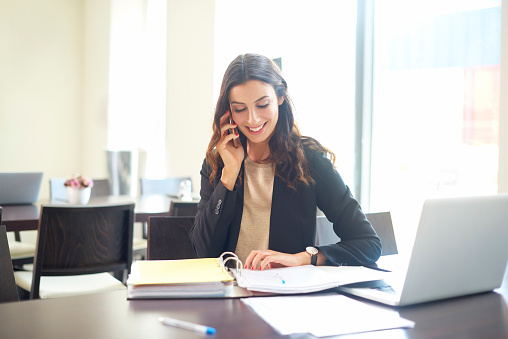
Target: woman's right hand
{"points": [[232, 157]]}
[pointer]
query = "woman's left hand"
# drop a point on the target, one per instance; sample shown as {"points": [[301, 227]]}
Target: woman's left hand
{"points": [[271, 259]]}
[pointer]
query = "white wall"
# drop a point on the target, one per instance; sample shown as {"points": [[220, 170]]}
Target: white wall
{"points": [[41, 86], [190, 83], [503, 120]]}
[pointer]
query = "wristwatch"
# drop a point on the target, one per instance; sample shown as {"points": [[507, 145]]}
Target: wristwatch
{"points": [[313, 254]]}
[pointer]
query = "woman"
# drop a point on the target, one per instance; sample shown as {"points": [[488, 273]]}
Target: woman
{"points": [[259, 199]]}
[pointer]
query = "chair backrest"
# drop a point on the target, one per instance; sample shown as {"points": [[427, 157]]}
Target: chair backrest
{"points": [[8, 291], [168, 186], [381, 222], [75, 240], [324, 231], [57, 189], [183, 208], [101, 188], [168, 238]]}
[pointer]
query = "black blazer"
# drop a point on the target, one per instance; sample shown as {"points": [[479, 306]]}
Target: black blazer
{"points": [[293, 217]]}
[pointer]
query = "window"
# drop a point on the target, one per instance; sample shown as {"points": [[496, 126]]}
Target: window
{"points": [[435, 105], [137, 89]]}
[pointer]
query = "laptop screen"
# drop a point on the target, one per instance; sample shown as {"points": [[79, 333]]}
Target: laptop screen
{"points": [[20, 188]]}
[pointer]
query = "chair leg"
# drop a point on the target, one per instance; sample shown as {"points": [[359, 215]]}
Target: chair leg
{"points": [[145, 230]]}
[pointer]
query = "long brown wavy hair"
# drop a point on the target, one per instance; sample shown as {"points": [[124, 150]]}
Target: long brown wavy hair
{"points": [[286, 144]]}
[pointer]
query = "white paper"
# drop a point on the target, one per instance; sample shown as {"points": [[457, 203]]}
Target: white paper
{"points": [[325, 315], [304, 279], [353, 274]]}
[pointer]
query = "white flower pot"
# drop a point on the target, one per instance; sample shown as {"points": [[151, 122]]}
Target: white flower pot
{"points": [[78, 196]]}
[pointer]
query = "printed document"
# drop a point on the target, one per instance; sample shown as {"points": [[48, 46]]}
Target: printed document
{"points": [[332, 314]]}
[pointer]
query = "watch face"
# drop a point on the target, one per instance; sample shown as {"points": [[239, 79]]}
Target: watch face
{"points": [[312, 250]]}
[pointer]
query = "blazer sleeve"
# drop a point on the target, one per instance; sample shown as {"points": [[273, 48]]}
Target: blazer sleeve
{"points": [[359, 243], [209, 235]]}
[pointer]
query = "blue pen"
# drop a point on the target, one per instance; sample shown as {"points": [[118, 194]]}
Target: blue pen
{"points": [[278, 276], [186, 325]]}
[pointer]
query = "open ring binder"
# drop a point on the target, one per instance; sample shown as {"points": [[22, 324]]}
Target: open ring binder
{"points": [[233, 257]]}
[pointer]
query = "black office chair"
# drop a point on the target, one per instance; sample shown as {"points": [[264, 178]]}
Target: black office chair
{"points": [[168, 238], [77, 246], [8, 291], [183, 208], [101, 188], [381, 222]]}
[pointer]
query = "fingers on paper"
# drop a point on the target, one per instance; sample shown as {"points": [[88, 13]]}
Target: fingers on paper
{"points": [[264, 259]]}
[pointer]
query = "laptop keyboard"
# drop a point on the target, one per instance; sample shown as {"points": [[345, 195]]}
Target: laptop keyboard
{"points": [[385, 288], [379, 285]]}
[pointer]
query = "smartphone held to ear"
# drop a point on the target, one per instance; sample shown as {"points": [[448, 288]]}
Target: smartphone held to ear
{"points": [[232, 131]]}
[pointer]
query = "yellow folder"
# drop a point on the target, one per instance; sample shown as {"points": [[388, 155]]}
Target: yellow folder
{"points": [[185, 271]]}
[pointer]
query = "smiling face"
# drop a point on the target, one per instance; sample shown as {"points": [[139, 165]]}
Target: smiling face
{"points": [[255, 109]]}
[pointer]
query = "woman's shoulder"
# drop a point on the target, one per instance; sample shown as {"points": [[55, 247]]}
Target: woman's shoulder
{"points": [[316, 154], [312, 148]]}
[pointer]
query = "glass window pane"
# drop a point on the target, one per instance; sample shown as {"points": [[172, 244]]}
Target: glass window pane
{"points": [[435, 105]]}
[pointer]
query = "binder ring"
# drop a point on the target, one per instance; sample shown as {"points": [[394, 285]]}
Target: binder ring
{"points": [[239, 264], [225, 253]]}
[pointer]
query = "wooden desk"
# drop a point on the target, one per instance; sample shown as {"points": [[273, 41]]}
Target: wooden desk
{"points": [[26, 217], [110, 315], [20, 217]]}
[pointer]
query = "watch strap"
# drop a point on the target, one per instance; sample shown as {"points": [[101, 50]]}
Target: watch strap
{"points": [[313, 259]]}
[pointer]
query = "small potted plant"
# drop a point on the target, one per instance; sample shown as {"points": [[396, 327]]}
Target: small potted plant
{"points": [[79, 189]]}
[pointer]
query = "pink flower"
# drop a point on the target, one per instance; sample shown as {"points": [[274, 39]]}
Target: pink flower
{"points": [[79, 182]]}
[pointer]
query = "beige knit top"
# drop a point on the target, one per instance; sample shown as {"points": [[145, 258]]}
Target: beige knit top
{"points": [[257, 206]]}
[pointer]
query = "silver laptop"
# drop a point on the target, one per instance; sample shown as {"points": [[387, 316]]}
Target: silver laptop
{"points": [[20, 188], [460, 249]]}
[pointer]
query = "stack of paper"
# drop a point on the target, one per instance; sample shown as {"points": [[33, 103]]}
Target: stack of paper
{"points": [[188, 278]]}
